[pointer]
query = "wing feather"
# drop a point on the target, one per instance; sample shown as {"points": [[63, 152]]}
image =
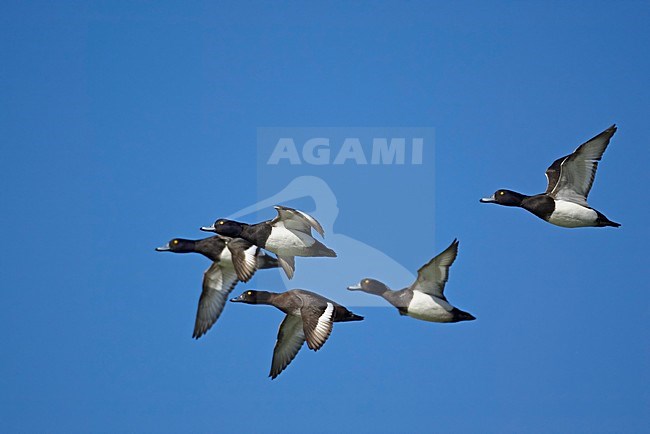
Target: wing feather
{"points": [[297, 220], [288, 264], [570, 178], [290, 340], [433, 276], [244, 258], [317, 324], [218, 282]]}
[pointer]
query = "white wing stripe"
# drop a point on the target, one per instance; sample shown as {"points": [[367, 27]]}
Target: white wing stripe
{"points": [[322, 327]]}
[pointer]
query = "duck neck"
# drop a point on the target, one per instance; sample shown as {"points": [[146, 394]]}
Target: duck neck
{"points": [[209, 247], [265, 297], [256, 234], [185, 246], [516, 199], [380, 290], [247, 231]]}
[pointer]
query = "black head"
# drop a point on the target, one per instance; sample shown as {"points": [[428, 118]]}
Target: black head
{"points": [[177, 245], [505, 197], [227, 228], [371, 286], [251, 297]]}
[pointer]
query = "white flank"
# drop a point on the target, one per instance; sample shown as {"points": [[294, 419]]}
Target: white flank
{"points": [[572, 215], [428, 308], [286, 242]]}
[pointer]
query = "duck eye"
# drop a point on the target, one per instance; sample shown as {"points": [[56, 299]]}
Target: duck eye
{"points": [[175, 242], [501, 193], [250, 293], [220, 222], [366, 281]]}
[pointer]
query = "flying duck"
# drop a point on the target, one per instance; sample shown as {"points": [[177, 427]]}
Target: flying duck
{"points": [[288, 235], [569, 180], [425, 298], [233, 260], [309, 317]]}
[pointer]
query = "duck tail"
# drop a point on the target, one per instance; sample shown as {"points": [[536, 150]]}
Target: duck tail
{"points": [[460, 315], [320, 249], [346, 316], [265, 261], [603, 221]]}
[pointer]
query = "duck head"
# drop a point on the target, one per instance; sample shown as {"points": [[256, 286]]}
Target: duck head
{"points": [[177, 245], [228, 228], [371, 286], [252, 297], [505, 198]]}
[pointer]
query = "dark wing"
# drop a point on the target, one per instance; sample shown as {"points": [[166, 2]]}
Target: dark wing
{"points": [[297, 220], [570, 178], [553, 174], [433, 276], [218, 282], [290, 340], [288, 264], [317, 324], [244, 258]]}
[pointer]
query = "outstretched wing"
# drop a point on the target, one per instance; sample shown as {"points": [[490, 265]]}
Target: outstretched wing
{"points": [[218, 281], [433, 276], [297, 220], [570, 178], [244, 258], [290, 340]]}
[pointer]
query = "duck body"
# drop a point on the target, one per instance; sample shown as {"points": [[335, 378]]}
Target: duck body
{"points": [[283, 241], [288, 235], [214, 248], [571, 215], [309, 317], [293, 301], [424, 299], [570, 179], [425, 307], [559, 212]]}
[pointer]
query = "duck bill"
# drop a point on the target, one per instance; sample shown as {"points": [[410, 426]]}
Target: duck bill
{"points": [[237, 299], [164, 248], [207, 228], [354, 288], [490, 199]]}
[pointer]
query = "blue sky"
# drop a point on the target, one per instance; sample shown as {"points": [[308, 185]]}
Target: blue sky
{"points": [[125, 124]]}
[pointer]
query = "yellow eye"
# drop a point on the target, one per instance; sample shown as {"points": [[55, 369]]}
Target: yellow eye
{"points": [[366, 281], [250, 293], [221, 222], [501, 193], [175, 242]]}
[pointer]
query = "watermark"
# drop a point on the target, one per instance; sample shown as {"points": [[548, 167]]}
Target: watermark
{"points": [[318, 151], [367, 187]]}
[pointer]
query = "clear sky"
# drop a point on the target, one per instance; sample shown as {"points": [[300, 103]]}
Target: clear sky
{"points": [[124, 124]]}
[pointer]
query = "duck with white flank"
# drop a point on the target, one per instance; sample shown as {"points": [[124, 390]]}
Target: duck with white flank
{"points": [[233, 260], [569, 180], [288, 235], [424, 299], [310, 317]]}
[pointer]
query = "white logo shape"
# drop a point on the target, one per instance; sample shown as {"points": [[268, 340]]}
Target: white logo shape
{"points": [[356, 259]]}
